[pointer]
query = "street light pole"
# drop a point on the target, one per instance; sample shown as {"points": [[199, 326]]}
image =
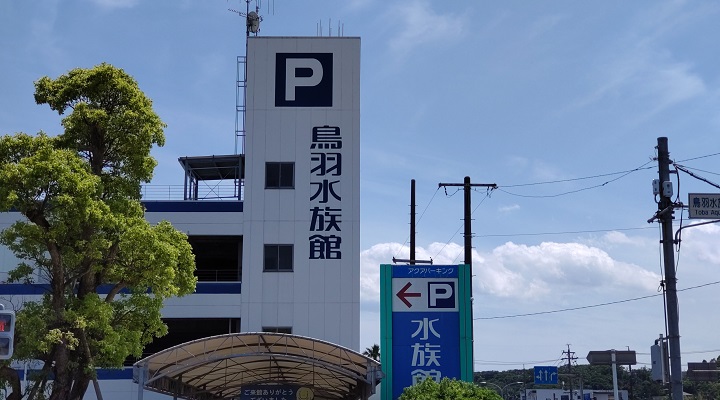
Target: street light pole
{"points": [[501, 389], [510, 384]]}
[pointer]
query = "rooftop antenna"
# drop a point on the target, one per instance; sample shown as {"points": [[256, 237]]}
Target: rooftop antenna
{"points": [[252, 27], [252, 18], [340, 28]]}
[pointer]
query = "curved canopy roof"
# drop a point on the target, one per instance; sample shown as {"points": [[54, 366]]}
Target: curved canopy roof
{"points": [[218, 367]]}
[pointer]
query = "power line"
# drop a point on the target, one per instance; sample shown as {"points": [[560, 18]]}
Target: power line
{"points": [[701, 170], [564, 232], [418, 221], [607, 174], [581, 178], [487, 195], [428, 205], [697, 158], [716, 351], [571, 308], [492, 362], [698, 177], [622, 175], [592, 305], [558, 361]]}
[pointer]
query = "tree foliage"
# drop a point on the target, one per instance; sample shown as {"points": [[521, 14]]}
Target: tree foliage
{"points": [[373, 352], [84, 233], [703, 390], [448, 389]]}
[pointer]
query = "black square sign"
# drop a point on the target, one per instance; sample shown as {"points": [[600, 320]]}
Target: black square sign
{"points": [[441, 295], [303, 80]]}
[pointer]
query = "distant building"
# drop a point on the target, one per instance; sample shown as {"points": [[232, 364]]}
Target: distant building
{"points": [[561, 394]]}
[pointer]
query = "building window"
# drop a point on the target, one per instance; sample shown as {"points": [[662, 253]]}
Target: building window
{"points": [[279, 175], [277, 329], [182, 330], [278, 257], [217, 258]]}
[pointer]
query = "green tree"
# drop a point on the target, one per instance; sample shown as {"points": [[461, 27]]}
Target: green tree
{"points": [[84, 226], [448, 389], [373, 352]]}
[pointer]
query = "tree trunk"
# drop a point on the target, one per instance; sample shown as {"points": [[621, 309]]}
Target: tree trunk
{"points": [[79, 386], [13, 378], [62, 381]]}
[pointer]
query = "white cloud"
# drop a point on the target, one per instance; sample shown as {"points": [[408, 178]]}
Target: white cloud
{"points": [[519, 271], [620, 238], [651, 82], [360, 4], [509, 208], [670, 84], [535, 169], [536, 270], [701, 242], [517, 162], [115, 3], [637, 68], [419, 24], [370, 261], [545, 24]]}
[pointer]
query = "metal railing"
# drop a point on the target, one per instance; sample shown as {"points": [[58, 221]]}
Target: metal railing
{"points": [[217, 275], [176, 192]]}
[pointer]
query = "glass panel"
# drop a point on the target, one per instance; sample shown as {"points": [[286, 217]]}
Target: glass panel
{"points": [[270, 262], [272, 175], [286, 258], [287, 175]]}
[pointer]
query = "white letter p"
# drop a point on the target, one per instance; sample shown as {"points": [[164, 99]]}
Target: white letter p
{"points": [[292, 80], [439, 291]]}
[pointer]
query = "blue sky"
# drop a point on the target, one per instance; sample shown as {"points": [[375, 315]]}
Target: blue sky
{"points": [[514, 93]]}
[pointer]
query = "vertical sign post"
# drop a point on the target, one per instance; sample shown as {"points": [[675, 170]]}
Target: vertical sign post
{"points": [[425, 325]]}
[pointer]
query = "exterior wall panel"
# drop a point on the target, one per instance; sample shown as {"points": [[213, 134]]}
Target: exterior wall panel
{"points": [[284, 107]]}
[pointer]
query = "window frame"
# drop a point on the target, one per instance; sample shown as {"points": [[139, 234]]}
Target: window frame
{"points": [[277, 329], [278, 175], [279, 255]]}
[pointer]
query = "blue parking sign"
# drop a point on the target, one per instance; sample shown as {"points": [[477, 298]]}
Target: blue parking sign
{"points": [[426, 325]]}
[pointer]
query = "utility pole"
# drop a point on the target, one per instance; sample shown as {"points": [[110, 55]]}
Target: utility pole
{"points": [[466, 185], [570, 358], [665, 215], [412, 222], [412, 260], [632, 381]]}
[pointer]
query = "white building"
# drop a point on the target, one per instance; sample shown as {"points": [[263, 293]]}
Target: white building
{"points": [[561, 394], [281, 254]]}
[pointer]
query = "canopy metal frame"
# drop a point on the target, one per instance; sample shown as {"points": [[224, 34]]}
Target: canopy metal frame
{"points": [[218, 367]]}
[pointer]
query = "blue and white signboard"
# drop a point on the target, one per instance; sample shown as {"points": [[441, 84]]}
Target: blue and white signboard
{"points": [[425, 324], [546, 375]]}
